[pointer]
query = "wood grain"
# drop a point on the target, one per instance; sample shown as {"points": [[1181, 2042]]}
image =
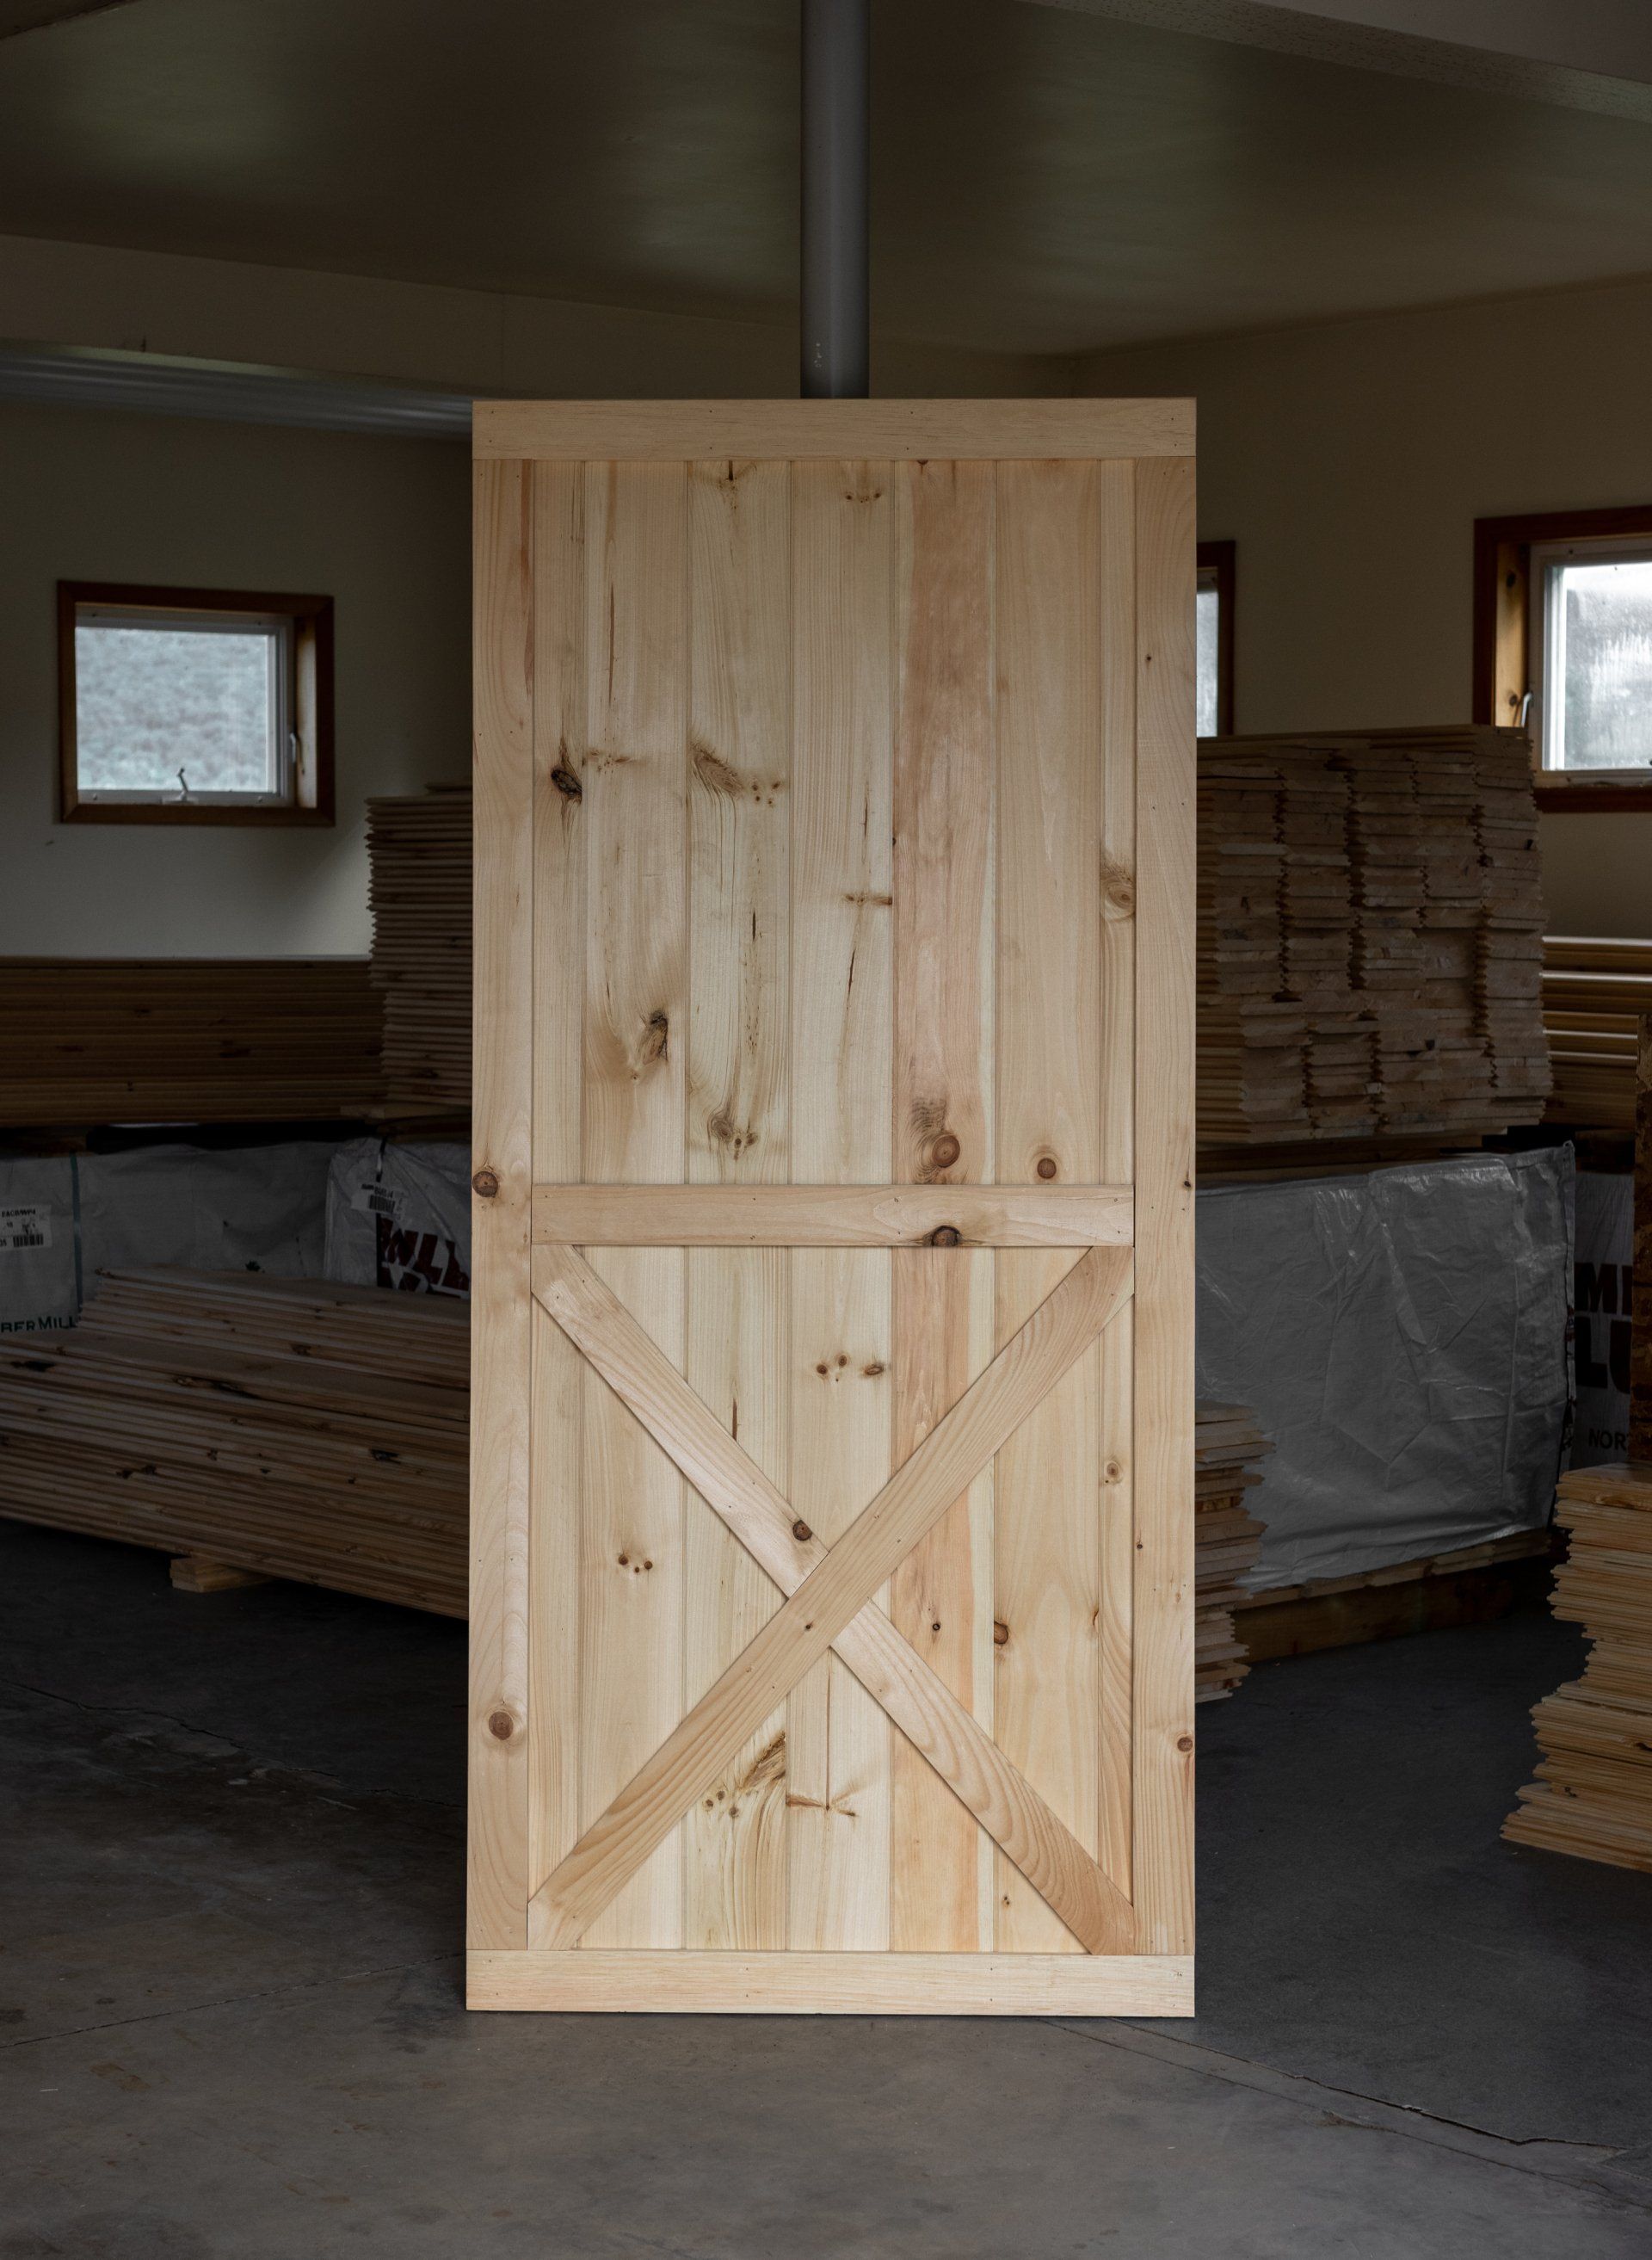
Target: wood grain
{"points": [[832, 1216], [826, 1984], [938, 1725], [502, 1309], [832, 431], [641, 1817]]}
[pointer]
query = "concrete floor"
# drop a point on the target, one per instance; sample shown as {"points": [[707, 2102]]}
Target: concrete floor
{"points": [[230, 2022]]}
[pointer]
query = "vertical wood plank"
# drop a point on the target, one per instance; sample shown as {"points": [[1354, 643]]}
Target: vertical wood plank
{"points": [[559, 963], [838, 1741], [739, 733], [501, 1337], [634, 1093], [1047, 1703], [1162, 1724], [1115, 486], [943, 796]]}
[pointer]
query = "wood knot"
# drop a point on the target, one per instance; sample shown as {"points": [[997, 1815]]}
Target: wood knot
{"points": [[800, 1529], [485, 1184], [945, 1151], [1046, 1168], [502, 1726], [945, 1236], [656, 1036], [568, 784], [1000, 1633], [1184, 1742]]}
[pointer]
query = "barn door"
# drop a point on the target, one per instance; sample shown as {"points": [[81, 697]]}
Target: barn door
{"points": [[832, 1599]]}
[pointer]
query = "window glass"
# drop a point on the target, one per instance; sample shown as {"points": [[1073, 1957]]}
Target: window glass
{"points": [[1598, 685], [1206, 623], [175, 710]]}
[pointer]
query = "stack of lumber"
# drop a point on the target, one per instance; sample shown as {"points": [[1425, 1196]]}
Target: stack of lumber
{"points": [[1370, 936], [1592, 1797], [89, 1041], [1431, 1592], [291, 1427], [418, 852], [1595, 990], [1226, 1540]]}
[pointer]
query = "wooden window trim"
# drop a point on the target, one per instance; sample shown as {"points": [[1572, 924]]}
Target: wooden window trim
{"points": [[312, 618], [1218, 557], [1502, 614]]}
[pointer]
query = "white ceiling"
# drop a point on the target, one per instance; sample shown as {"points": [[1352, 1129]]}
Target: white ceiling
{"points": [[1048, 177]]}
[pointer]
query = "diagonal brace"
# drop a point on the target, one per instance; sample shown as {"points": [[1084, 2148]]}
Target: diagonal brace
{"points": [[833, 1593]]}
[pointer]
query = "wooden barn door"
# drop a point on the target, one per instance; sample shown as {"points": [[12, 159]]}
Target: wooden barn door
{"points": [[832, 1598]]}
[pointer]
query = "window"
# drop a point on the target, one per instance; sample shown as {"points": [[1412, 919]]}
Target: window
{"points": [[194, 706], [1564, 649], [1213, 642]]}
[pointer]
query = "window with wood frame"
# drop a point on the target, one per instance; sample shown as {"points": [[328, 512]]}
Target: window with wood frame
{"points": [[1213, 669], [194, 705], [1563, 648]]}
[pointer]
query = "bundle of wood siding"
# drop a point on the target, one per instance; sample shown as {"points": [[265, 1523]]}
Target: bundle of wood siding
{"points": [[1595, 990], [1227, 1540], [1592, 1797], [1370, 936], [90, 1041], [291, 1427], [420, 859]]}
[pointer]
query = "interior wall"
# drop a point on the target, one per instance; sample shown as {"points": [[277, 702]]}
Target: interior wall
{"points": [[1349, 461], [380, 525]]}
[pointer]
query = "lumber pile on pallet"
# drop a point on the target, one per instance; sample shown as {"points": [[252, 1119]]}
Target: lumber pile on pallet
{"points": [[292, 1427], [1595, 991], [92, 1041], [1592, 1797], [1226, 1540], [1370, 936], [418, 853]]}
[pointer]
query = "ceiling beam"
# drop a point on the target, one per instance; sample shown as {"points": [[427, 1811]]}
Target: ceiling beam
{"points": [[1590, 55], [18, 16]]}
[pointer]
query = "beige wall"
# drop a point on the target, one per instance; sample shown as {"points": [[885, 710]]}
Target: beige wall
{"points": [[1349, 461], [381, 524]]}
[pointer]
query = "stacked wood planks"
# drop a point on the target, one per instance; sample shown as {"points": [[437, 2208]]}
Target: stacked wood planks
{"points": [[90, 1041], [1592, 1797], [1369, 925], [1227, 1540], [1595, 988], [420, 854], [294, 1428]]}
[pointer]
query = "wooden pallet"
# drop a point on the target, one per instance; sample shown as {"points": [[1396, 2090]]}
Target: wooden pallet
{"points": [[1470, 1584]]}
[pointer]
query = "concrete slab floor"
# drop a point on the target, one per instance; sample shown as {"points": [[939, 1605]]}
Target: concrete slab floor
{"points": [[231, 2024]]}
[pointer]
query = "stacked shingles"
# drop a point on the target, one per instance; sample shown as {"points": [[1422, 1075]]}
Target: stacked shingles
{"points": [[1404, 935], [1592, 1797], [1225, 1443], [419, 857], [291, 1427]]}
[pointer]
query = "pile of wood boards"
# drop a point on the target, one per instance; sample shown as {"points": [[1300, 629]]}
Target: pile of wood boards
{"points": [[1593, 1793], [418, 851], [1225, 1443], [289, 1427], [1595, 991], [91, 1040], [1370, 936]]}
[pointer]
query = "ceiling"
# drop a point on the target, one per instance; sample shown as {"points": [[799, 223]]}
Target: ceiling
{"points": [[1045, 179]]}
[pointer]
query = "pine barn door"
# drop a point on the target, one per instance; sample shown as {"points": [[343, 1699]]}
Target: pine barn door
{"points": [[831, 1588]]}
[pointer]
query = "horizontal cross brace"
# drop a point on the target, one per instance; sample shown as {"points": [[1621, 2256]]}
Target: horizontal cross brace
{"points": [[834, 1216]]}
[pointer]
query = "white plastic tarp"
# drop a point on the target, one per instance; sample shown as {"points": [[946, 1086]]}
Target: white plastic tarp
{"points": [[1402, 1336], [1603, 1300], [39, 1253], [399, 1216]]}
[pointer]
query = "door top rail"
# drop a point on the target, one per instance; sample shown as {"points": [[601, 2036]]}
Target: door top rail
{"points": [[835, 1216]]}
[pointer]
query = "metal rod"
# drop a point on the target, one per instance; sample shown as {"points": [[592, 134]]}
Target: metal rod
{"points": [[836, 101]]}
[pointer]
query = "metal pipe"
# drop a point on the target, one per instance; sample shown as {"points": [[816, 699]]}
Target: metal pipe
{"points": [[836, 101]]}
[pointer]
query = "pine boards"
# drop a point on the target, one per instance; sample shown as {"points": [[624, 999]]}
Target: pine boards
{"points": [[832, 1576]]}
